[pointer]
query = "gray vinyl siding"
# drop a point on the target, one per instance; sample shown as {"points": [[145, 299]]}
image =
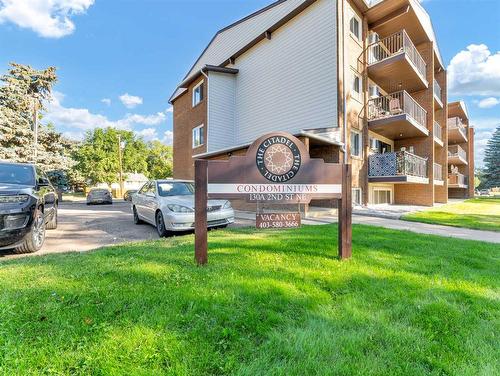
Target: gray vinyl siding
{"points": [[229, 41], [221, 111], [289, 83]]}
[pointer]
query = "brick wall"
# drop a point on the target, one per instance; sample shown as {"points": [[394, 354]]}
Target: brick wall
{"points": [[187, 117]]}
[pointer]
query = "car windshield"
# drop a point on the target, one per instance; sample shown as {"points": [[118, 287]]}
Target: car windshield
{"points": [[166, 189], [16, 174]]}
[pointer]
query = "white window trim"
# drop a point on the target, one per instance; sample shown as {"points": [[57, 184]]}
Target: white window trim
{"points": [[385, 189], [353, 14], [354, 94], [353, 130], [194, 91], [193, 139], [360, 196]]}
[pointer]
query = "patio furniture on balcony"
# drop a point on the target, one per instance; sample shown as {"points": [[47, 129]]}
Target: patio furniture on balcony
{"points": [[457, 155], [457, 180], [397, 116], [394, 62], [397, 167], [457, 131]]}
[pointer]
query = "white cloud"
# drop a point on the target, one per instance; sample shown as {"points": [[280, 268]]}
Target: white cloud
{"points": [[148, 134], [130, 101], [75, 121], [168, 138], [170, 109], [48, 18], [106, 101], [475, 71], [488, 102], [484, 128]]}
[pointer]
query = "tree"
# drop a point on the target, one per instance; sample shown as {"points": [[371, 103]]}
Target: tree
{"points": [[23, 90], [492, 161], [97, 157], [159, 160]]}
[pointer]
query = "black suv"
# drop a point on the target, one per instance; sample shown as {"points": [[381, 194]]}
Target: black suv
{"points": [[28, 206]]}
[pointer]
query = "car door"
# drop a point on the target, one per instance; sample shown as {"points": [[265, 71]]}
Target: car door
{"points": [[46, 192], [139, 201], [150, 202]]}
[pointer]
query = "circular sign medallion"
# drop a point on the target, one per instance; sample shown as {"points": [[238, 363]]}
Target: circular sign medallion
{"points": [[278, 159]]}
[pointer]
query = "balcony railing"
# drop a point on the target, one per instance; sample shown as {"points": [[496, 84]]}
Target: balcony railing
{"points": [[393, 45], [457, 179], [438, 171], [438, 131], [457, 151], [456, 123], [400, 163], [396, 104], [437, 90]]}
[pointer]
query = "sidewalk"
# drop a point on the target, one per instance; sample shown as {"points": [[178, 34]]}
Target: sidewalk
{"points": [[396, 224]]}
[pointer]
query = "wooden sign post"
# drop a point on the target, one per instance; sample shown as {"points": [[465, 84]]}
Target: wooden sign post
{"points": [[276, 169]]}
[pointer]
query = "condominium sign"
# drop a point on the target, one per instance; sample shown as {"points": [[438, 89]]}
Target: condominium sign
{"points": [[276, 169]]}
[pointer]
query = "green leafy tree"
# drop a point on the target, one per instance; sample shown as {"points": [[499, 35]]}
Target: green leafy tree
{"points": [[97, 157], [492, 161], [24, 89], [159, 160]]}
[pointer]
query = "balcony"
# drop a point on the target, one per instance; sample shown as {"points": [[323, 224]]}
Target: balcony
{"points": [[457, 180], [438, 134], [397, 167], [457, 131], [397, 116], [438, 174], [456, 155], [438, 96], [394, 63]]}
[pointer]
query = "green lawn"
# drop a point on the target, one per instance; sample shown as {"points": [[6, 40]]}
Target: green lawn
{"points": [[268, 303], [482, 213]]}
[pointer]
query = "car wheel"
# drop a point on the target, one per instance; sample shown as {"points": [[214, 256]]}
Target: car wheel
{"points": [[137, 220], [160, 224], [52, 224], [35, 238]]}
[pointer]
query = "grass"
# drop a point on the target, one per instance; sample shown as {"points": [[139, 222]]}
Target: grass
{"points": [[268, 303], [482, 213]]}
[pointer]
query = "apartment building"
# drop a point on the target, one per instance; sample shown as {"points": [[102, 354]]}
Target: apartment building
{"points": [[460, 152], [357, 81]]}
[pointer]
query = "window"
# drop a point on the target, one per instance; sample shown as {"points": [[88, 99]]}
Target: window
{"points": [[356, 196], [356, 85], [356, 148], [198, 93], [175, 189], [355, 26], [381, 196], [198, 136], [379, 147]]}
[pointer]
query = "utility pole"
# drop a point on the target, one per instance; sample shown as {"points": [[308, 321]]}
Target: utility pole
{"points": [[120, 162], [35, 130]]}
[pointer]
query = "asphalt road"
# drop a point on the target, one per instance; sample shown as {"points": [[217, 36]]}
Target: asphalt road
{"points": [[82, 228]]}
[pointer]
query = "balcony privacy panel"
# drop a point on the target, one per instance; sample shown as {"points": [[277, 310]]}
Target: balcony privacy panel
{"points": [[400, 163], [382, 165]]}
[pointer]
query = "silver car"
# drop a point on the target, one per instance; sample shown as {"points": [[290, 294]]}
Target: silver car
{"points": [[169, 205], [99, 196]]}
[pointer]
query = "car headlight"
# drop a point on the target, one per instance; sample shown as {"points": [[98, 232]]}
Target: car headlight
{"points": [[179, 208], [15, 221], [227, 205], [14, 199]]}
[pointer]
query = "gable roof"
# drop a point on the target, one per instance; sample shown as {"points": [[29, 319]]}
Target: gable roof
{"points": [[235, 37]]}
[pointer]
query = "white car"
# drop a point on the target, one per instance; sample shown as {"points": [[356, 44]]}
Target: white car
{"points": [[169, 205]]}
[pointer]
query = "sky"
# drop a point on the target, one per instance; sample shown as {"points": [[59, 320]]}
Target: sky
{"points": [[118, 61]]}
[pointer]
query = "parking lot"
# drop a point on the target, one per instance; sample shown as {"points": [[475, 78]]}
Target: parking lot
{"points": [[82, 228]]}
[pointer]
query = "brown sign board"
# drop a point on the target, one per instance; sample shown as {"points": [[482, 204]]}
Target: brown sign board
{"points": [[276, 169], [277, 220]]}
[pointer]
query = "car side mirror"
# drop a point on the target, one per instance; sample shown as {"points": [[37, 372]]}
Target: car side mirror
{"points": [[43, 182]]}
